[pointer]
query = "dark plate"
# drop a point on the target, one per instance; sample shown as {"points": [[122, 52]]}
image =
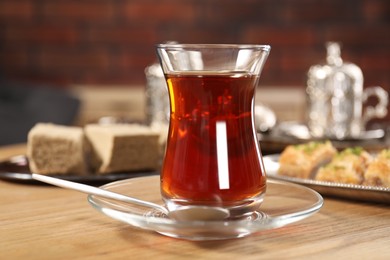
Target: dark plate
{"points": [[291, 132], [301, 132], [16, 169]]}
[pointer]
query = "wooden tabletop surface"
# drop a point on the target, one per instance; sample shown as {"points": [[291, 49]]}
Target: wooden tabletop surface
{"points": [[45, 222]]}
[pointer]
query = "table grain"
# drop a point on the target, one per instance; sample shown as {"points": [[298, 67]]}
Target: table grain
{"points": [[46, 222]]}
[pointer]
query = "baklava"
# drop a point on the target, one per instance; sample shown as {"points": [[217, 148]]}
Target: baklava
{"points": [[378, 172], [303, 160], [348, 166]]}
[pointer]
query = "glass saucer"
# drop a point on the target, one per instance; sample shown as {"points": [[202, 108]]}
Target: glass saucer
{"points": [[284, 203]]}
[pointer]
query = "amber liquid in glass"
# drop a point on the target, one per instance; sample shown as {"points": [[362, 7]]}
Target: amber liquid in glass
{"points": [[190, 170]]}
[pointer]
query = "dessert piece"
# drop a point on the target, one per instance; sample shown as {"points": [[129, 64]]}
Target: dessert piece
{"points": [[347, 166], [303, 160], [123, 147], [378, 171], [55, 149]]}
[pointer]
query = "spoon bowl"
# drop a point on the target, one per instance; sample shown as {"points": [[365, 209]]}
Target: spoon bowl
{"points": [[185, 213]]}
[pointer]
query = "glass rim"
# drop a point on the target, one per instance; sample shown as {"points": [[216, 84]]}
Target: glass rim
{"points": [[181, 46]]}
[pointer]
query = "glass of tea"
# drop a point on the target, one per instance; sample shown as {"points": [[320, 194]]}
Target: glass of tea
{"points": [[212, 155]]}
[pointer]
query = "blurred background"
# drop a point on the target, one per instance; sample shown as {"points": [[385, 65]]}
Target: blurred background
{"points": [[97, 44]]}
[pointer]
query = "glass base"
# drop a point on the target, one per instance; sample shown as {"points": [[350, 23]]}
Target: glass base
{"points": [[237, 210]]}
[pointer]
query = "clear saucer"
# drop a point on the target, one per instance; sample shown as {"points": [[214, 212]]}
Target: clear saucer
{"points": [[284, 203]]}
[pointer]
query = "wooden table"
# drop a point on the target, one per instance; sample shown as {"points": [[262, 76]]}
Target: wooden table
{"points": [[44, 222]]}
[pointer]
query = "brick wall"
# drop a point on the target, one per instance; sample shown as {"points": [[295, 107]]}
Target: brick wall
{"points": [[111, 42]]}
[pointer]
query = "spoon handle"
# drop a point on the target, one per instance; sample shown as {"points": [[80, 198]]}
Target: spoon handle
{"points": [[96, 191]]}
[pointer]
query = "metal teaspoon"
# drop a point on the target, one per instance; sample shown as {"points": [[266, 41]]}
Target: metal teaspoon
{"points": [[187, 213]]}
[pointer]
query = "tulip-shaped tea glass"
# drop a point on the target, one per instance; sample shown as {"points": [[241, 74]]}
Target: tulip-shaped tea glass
{"points": [[213, 157]]}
